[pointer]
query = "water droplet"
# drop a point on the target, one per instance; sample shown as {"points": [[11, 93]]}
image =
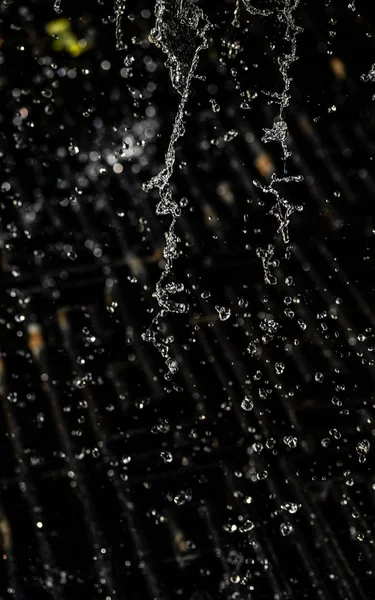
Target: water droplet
{"points": [[279, 368], [172, 365], [73, 149], [247, 403], [223, 312], [286, 529], [290, 441], [291, 507], [363, 448], [181, 497], [215, 106], [166, 456], [246, 526]]}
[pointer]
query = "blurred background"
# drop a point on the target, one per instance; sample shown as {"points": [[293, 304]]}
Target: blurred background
{"points": [[248, 474]]}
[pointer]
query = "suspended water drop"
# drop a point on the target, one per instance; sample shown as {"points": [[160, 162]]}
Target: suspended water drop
{"points": [[166, 456], [80, 382], [252, 349], [57, 6], [257, 447], [335, 433], [246, 526], [279, 368], [270, 325], [370, 76], [205, 294], [215, 106], [182, 497], [172, 365], [223, 312], [247, 403], [363, 448], [73, 149], [270, 443], [286, 529], [291, 507], [290, 441]]}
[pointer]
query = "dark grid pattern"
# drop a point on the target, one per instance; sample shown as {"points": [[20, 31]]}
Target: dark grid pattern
{"points": [[89, 507]]}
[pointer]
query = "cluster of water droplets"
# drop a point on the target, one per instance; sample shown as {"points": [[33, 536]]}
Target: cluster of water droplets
{"points": [[282, 209], [181, 33]]}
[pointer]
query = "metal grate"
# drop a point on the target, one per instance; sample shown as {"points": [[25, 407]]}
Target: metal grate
{"points": [[115, 483]]}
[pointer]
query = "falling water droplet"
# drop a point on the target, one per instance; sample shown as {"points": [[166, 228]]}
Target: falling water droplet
{"points": [[166, 456], [223, 312], [247, 403], [363, 448], [286, 529]]}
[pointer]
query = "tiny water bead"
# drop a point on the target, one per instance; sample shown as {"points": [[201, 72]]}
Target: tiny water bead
{"points": [[286, 529], [290, 507], [246, 526], [215, 106], [166, 456], [182, 497], [247, 403], [290, 441], [362, 449], [172, 365], [279, 368], [205, 294], [223, 312]]}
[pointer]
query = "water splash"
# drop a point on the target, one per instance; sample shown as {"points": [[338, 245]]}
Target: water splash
{"points": [[370, 76], [181, 33], [256, 11], [279, 131], [283, 209], [119, 8]]}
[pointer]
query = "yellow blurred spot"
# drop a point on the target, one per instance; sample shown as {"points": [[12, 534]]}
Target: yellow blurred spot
{"points": [[305, 125], [35, 338], [338, 67], [65, 39], [264, 164]]}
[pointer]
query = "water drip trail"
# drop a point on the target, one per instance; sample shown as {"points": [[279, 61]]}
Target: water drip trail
{"points": [[282, 209], [180, 31], [120, 7]]}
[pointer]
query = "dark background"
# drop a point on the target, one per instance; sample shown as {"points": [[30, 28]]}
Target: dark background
{"points": [[115, 481]]}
